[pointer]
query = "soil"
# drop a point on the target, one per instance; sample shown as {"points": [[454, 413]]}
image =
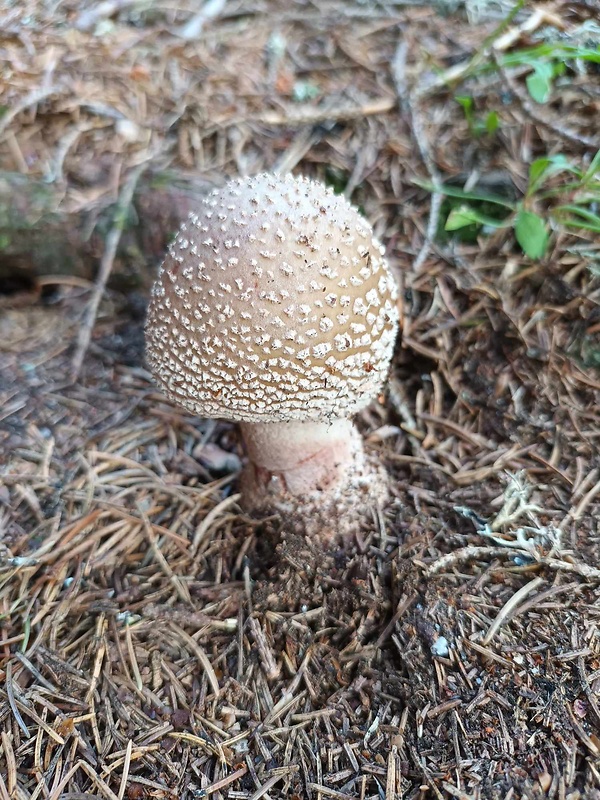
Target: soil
{"points": [[155, 640]]}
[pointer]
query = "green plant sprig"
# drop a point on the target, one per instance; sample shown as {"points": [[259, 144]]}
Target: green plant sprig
{"points": [[577, 208]]}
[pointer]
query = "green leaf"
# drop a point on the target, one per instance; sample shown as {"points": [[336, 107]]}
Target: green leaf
{"points": [[468, 107], [459, 218], [542, 165], [539, 82], [492, 122], [593, 168], [559, 68], [537, 169], [465, 215], [465, 101], [531, 233], [542, 168]]}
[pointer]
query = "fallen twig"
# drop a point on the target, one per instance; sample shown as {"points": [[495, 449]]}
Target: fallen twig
{"points": [[409, 107], [509, 609], [193, 27], [311, 115], [106, 264]]}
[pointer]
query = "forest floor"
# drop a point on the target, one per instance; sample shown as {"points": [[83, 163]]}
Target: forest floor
{"points": [[153, 641]]}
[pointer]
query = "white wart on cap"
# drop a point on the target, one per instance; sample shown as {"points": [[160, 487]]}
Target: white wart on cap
{"points": [[275, 304]]}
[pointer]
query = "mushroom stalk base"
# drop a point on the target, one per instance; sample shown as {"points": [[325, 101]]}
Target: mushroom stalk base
{"points": [[315, 471]]}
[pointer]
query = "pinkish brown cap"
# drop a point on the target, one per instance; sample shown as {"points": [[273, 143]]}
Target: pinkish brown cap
{"points": [[274, 303]]}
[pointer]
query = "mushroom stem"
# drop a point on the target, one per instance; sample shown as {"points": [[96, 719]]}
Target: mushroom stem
{"points": [[301, 458]]}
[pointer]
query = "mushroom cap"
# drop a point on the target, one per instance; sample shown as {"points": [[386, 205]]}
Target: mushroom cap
{"points": [[274, 303]]}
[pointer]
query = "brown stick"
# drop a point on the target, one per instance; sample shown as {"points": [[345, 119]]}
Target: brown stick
{"points": [[106, 264]]}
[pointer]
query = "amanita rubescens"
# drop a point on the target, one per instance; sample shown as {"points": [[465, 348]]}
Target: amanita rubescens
{"points": [[275, 307]]}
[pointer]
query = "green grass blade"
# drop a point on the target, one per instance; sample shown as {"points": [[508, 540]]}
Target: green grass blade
{"points": [[453, 191]]}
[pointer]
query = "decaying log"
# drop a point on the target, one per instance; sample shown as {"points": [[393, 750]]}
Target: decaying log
{"points": [[37, 238]]}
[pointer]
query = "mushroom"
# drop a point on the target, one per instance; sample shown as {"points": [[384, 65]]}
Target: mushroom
{"points": [[275, 307]]}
